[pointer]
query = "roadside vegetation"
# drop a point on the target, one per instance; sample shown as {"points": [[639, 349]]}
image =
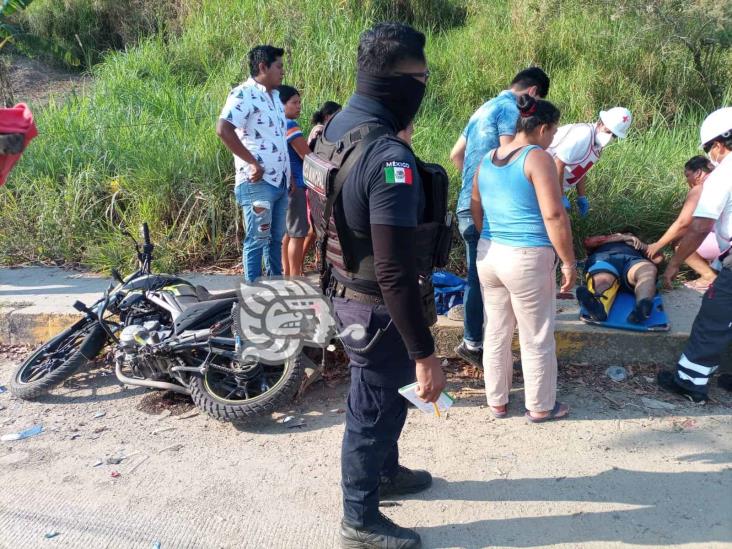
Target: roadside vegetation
{"points": [[141, 144]]}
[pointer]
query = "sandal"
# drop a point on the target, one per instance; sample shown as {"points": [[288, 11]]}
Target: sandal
{"points": [[553, 415], [499, 414]]}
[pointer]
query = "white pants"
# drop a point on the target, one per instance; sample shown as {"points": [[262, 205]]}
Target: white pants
{"points": [[519, 287]]}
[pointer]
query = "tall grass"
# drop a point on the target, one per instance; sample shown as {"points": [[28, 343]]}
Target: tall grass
{"points": [[141, 145]]}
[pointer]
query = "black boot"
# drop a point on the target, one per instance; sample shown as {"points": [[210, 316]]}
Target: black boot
{"points": [[641, 312], [592, 305], [405, 482], [667, 380], [381, 534]]}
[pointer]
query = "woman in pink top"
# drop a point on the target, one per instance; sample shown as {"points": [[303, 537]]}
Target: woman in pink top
{"points": [[696, 171]]}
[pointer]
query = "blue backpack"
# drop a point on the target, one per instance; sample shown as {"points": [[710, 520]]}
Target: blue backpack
{"points": [[449, 289]]}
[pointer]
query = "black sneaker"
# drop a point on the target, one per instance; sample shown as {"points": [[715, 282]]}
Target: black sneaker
{"points": [[473, 357], [641, 312], [382, 534], [405, 482], [592, 305], [667, 380]]}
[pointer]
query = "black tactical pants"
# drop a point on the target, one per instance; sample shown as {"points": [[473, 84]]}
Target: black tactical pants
{"points": [[376, 411], [710, 336]]}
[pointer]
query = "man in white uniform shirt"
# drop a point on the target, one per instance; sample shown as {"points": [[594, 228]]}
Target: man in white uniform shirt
{"points": [[576, 148], [711, 333], [252, 125]]}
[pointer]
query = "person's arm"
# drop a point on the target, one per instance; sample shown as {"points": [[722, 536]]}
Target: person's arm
{"points": [[541, 171], [581, 186], [395, 263], [696, 233], [457, 154], [393, 218], [476, 208], [226, 132], [583, 204], [679, 227], [714, 196], [296, 140], [560, 165]]}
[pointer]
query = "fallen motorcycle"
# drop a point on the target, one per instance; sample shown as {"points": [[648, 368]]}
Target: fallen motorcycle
{"points": [[165, 333]]}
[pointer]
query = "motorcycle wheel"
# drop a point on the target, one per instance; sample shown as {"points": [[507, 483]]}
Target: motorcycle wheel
{"points": [[213, 392], [57, 360]]}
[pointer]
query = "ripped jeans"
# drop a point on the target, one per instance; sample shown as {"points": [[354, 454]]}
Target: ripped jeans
{"points": [[265, 212]]}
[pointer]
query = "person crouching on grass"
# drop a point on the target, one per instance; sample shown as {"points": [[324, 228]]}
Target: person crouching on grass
{"points": [[298, 224], [696, 171]]}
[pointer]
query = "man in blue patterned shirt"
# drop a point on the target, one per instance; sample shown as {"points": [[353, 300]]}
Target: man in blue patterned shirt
{"points": [[252, 125], [492, 125]]}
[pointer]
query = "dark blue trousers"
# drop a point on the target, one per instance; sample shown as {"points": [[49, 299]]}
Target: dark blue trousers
{"points": [[376, 411]]}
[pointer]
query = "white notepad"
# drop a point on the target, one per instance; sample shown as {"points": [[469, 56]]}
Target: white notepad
{"points": [[443, 403]]}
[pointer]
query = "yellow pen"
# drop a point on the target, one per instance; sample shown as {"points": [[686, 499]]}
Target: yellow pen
{"points": [[437, 410]]}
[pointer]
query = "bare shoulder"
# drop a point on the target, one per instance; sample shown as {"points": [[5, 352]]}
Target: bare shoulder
{"points": [[539, 158]]}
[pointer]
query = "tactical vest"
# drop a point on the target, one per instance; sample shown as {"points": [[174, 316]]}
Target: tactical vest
{"points": [[348, 252]]}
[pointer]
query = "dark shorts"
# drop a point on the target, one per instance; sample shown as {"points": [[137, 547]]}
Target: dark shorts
{"points": [[297, 214], [616, 258]]}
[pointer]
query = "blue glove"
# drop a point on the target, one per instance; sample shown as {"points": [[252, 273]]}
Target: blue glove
{"points": [[566, 203], [583, 205]]}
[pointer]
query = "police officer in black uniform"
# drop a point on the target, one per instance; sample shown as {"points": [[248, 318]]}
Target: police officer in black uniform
{"points": [[382, 205]]}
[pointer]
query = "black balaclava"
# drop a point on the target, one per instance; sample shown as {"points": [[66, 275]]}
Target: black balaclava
{"points": [[402, 95]]}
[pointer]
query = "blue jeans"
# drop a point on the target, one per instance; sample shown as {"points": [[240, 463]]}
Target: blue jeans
{"points": [[265, 212], [472, 300]]}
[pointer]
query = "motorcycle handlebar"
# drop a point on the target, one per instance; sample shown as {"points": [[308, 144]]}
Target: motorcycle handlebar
{"points": [[145, 234]]}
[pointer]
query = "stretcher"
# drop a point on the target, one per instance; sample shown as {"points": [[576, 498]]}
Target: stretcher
{"points": [[622, 306]]}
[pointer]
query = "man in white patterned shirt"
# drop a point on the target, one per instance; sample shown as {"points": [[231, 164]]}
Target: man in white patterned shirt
{"points": [[252, 126]]}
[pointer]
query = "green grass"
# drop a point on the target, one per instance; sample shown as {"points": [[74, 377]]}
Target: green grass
{"points": [[141, 145]]}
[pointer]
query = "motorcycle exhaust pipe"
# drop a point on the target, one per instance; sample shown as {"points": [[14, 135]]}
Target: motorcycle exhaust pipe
{"points": [[148, 383]]}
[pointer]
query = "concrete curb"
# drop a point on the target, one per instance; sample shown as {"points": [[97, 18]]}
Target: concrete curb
{"points": [[596, 346], [592, 346], [35, 305], [28, 328]]}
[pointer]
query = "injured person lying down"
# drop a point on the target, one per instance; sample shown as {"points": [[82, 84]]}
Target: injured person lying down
{"points": [[618, 262]]}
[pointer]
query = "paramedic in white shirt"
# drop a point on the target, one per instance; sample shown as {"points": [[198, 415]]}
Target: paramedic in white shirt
{"points": [[576, 148]]}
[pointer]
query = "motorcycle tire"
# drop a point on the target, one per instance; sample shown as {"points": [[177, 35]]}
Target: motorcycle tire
{"points": [[81, 351], [223, 410]]}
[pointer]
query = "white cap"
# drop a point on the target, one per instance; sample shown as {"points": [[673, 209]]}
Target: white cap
{"points": [[617, 120], [717, 124]]}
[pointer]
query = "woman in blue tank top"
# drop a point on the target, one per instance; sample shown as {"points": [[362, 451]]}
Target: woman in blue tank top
{"points": [[517, 208]]}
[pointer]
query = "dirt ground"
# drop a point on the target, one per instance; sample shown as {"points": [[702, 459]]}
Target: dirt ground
{"points": [[35, 82], [619, 473]]}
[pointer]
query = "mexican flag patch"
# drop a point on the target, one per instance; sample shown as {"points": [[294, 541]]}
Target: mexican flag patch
{"points": [[398, 172]]}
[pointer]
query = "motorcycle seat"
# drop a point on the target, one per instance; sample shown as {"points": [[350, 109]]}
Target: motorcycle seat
{"points": [[204, 295], [202, 315]]}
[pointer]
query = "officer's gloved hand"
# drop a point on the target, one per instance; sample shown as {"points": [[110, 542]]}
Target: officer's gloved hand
{"points": [[565, 201], [583, 205]]}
